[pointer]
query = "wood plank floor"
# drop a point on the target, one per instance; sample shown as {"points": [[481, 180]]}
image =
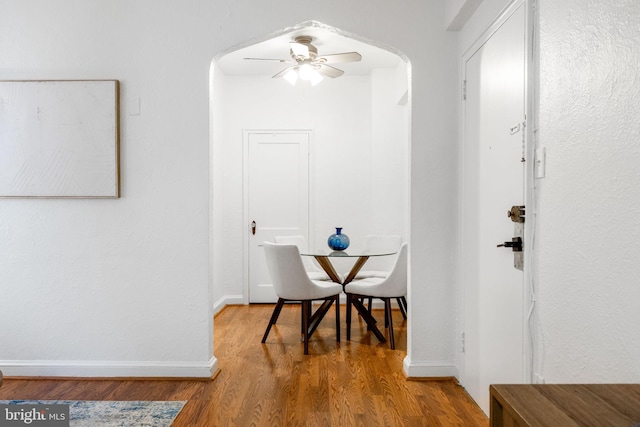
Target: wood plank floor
{"points": [[357, 383]]}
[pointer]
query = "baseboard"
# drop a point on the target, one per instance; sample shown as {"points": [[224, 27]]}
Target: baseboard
{"points": [[377, 303], [227, 300], [239, 300], [429, 369], [107, 369]]}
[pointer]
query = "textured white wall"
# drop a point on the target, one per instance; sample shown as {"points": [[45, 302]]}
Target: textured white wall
{"points": [[114, 287], [588, 236], [587, 239], [121, 284]]}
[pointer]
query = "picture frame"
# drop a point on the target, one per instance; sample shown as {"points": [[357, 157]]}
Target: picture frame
{"points": [[59, 139]]}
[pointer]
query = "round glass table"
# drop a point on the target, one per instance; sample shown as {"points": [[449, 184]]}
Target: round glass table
{"points": [[323, 256]]}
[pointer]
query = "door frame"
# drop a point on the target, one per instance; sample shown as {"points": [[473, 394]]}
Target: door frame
{"points": [[245, 196], [530, 103]]}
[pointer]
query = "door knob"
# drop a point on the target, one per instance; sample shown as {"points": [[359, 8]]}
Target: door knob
{"points": [[515, 244]]}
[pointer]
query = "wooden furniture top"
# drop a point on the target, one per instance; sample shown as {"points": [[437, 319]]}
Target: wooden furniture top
{"points": [[565, 405]]}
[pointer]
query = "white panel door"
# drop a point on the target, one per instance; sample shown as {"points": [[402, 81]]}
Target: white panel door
{"points": [[278, 199], [492, 182]]}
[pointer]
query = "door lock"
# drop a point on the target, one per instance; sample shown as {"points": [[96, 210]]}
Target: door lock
{"points": [[253, 228], [516, 213], [515, 244]]}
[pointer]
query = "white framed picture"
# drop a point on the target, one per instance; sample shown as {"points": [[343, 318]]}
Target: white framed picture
{"points": [[59, 138]]}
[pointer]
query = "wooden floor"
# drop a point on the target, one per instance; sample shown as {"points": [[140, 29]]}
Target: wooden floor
{"points": [[357, 383]]}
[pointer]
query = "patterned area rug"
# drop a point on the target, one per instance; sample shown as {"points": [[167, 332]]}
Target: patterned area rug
{"points": [[88, 413]]}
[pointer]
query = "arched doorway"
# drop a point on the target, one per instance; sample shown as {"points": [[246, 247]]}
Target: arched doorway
{"points": [[359, 156]]}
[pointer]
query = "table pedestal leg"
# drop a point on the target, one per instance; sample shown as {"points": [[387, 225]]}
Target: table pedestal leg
{"points": [[316, 317], [368, 318], [328, 268], [355, 269]]}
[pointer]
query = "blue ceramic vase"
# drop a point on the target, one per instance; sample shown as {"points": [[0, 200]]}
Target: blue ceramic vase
{"points": [[338, 241]]}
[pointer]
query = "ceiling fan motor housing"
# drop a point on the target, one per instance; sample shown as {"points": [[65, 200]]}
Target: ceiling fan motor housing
{"points": [[311, 51]]}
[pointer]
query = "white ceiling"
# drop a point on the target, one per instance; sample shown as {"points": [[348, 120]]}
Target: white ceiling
{"points": [[326, 41]]}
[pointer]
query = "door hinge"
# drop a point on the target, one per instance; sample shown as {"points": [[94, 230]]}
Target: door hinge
{"points": [[462, 342], [464, 90]]}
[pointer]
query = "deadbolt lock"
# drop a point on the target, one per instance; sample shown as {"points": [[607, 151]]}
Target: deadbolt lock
{"points": [[516, 213]]}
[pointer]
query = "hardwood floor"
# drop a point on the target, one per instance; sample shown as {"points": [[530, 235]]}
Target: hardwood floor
{"points": [[357, 383]]}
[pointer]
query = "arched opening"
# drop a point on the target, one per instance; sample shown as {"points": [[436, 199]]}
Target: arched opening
{"points": [[360, 153]]}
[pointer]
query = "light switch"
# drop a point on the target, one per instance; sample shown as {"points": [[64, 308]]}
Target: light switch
{"points": [[540, 162]]}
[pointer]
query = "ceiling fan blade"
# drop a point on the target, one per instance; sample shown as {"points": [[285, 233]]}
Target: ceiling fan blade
{"points": [[283, 72], [329, 71], [299, 49], [267, 59], [340, 57]]}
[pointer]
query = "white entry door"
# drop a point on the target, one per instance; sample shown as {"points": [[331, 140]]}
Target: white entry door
{"points": [[277, 197], [492, 182]]}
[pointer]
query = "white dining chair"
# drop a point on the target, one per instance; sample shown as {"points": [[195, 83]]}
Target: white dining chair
{"points": [[394, 286], [292, 284], [381, 265], [314, 271]]}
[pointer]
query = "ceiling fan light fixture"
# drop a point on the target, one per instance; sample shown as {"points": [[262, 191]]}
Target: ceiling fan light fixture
{"points": [[309, 73], [308, 66], [306, 72], [316, 78], [291, 76]]}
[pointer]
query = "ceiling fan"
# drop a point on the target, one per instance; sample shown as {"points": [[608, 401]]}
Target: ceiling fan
{"points": [[307, 65]]}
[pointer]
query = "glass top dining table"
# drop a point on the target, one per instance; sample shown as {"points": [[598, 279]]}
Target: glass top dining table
{"points": [[323, 257]]}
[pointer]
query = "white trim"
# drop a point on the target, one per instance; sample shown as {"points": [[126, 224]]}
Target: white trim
{"points": [[429, 368], [498, 22], [227, 300], [87, 368], [531, 62]]}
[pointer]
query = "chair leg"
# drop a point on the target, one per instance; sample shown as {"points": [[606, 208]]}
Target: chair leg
{"points": [[306, 313], [338, 326], [348, 317], [402, 305], [274, 317], [388, 315]]}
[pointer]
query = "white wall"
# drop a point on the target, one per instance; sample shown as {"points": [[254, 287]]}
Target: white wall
{"points": [[588, 237], [389, 151], [586, 244], [122, 286], [114, 287], [458, 12], [338, 113]]}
